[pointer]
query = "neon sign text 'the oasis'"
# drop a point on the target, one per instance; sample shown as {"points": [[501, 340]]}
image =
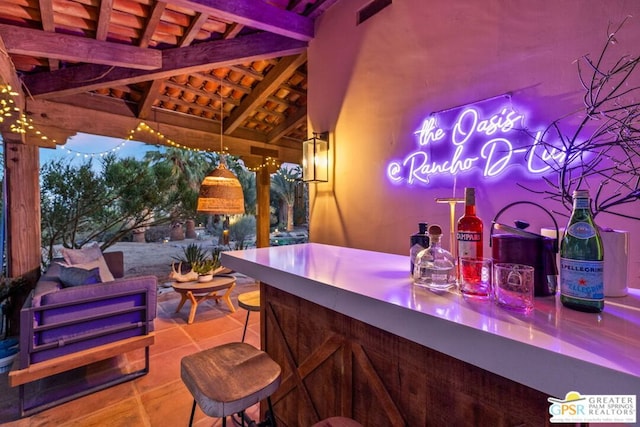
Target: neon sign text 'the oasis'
{"points": [[474, 138]]}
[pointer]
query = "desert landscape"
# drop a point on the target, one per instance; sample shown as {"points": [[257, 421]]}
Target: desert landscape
{"points": [[154, 258]]}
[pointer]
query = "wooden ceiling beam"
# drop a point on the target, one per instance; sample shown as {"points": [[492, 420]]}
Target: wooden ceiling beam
{"points": [[25, 41], [255, 14], [197, 136], [9, 76], [184, 60], [276, 76]]}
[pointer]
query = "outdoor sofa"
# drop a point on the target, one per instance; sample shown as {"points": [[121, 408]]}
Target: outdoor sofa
{"points": [[66, 327]]}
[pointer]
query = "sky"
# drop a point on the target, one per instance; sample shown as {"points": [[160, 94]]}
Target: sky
{"points": [[82, 147]]}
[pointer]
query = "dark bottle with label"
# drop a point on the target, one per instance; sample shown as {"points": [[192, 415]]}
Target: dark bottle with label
{"points": [[470, 227], [581, 259], [419, 241]]}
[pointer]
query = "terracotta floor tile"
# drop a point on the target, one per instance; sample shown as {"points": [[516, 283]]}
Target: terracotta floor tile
{"points": [[125, 413], [169, 405], [165, 368], [158, 398]]}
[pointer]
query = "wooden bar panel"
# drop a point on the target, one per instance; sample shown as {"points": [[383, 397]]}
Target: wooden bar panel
{"points": [[335, 365]]}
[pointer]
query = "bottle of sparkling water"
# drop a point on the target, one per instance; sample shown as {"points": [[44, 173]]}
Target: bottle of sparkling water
{"points": [[581, 259]]}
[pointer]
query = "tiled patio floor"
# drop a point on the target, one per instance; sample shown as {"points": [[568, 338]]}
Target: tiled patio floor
{"points": [[158, 398]]}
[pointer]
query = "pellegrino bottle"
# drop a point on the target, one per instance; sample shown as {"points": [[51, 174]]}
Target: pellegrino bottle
{"points": [[418, 242], [581, 259], [469, 234]]}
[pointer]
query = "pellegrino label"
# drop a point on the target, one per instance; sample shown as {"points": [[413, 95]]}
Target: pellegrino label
{"points": [[581, 230], [582, 279]]}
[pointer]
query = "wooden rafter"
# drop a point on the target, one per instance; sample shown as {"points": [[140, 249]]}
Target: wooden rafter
{"points": [[192, 31], [106, 6], [183, 60], [277, 75], [25, 41], [288, 125], [255, 14], [48, 25], [152, 23]]}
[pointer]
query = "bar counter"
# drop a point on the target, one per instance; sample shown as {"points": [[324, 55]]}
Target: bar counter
{"points": [[553, 350]]}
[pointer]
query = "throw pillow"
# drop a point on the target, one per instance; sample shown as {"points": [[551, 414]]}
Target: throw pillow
{"points": [[80, 256], [100, 264], [75, 276], [88, 254]]}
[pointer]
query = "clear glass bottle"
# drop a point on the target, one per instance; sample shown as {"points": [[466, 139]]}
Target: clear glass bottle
{"points": [[581, 259], [435, 266], [418, 242], [470, 227]]}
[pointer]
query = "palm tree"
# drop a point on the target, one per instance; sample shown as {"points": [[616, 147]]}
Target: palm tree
{"points": [[284, 183], [189, 167]]}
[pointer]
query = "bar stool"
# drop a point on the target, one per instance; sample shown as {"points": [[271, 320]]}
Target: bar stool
{"points": [[338, 422], [250, 301], [229, 378]]}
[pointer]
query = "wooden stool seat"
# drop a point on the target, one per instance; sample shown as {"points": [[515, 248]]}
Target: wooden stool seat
{"points": [[229, 378], [250, 301], [338, 422]]}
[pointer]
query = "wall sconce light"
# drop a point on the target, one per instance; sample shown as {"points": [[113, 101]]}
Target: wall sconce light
{"points": [[315, 158]]}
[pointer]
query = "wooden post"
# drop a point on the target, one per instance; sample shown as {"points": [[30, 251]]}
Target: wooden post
{"points": [[263, 186], [22, 169], [263, 217]]}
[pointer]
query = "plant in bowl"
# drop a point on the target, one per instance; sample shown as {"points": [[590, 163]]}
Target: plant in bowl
{"points": [[192, 254], [206, 269]]}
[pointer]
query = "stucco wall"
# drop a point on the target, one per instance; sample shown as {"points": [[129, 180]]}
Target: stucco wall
{"points": [[372, 85]]}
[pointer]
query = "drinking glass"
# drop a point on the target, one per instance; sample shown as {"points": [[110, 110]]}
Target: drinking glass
{"points": [[475, 278], [513, 286]]}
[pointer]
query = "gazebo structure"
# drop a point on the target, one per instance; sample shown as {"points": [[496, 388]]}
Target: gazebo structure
{"points": [[172, 72]]}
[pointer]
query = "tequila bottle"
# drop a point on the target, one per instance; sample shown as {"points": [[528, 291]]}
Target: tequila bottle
{"points": [[435, 266]]}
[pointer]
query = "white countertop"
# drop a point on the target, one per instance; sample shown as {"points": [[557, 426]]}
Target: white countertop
{"points": [[553, 349]]}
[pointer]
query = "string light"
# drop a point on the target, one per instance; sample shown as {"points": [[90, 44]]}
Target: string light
{"points": [[23, 125], [268, 162]]}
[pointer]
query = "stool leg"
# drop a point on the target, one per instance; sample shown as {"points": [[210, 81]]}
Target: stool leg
{"points": [[193, 411], [273, 415], [244, 332]]}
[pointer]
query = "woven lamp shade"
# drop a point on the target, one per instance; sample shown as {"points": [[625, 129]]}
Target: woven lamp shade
{"points": [[221, 193]]}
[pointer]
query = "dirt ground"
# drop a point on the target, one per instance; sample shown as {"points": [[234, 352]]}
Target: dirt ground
{"points": [[154, 258]]}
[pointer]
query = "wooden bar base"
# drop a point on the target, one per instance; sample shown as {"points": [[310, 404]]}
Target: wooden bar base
{"points": [[334, 365]]}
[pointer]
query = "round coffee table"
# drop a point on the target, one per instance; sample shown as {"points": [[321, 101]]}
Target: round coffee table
{"points": [[196, 292]]}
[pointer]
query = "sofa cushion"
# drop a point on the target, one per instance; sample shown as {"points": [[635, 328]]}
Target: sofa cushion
{"points": [[78, 276]]}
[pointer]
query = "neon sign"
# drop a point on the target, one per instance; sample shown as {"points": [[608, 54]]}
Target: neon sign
{"points": [[474, 138]]}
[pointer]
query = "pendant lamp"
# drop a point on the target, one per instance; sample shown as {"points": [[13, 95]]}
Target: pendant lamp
{"points": [[220, 192]]}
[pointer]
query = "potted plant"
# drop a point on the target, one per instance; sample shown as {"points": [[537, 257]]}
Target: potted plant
{"points": [[205, 270], [602, 151]]}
